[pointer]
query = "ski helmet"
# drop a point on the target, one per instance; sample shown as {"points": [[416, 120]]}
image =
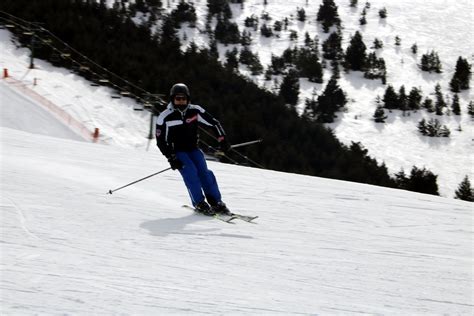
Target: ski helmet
{"points": [[179, 88]]}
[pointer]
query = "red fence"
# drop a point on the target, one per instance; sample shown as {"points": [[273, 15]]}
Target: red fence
{"points": [[59, 113]]}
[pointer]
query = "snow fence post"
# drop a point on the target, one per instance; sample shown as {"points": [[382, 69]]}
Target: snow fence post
{"points": [[95, 135]]}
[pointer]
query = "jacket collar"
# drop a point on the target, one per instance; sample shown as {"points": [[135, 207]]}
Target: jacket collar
{"points": [[171, 107]]}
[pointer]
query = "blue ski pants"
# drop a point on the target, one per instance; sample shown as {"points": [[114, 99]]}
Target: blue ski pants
{"points": [[199, 180]]}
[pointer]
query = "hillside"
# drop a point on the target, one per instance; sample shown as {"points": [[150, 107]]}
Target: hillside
{"points": [[290, 143], [397, 143]]}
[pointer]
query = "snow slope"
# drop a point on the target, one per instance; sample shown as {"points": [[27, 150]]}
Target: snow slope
{"points": [[320, 246], [92, 106], [36, 119]]}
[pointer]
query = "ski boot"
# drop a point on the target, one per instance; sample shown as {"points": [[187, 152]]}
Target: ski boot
{"points": [[221, 208], [204, 208]]}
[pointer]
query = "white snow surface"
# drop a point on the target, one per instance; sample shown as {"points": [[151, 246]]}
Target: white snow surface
{"points": [[320, 246], [92, 106]]}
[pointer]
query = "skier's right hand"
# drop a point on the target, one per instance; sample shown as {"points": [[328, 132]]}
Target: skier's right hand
{"points": [[175, 163]]}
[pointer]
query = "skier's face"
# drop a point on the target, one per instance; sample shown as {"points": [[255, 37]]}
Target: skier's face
{"points": [[180, 101]]}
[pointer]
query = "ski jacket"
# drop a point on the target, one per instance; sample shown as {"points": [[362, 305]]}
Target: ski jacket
{"points": [[178, 130]]}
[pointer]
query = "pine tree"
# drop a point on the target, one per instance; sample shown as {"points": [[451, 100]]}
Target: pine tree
{"points": [[266, 31], [231, 59], [308, 65], [440, 104], [246, 38], [377, 44], [470, 109], [219, 7], [455, 107], [308, 42], [390, 98], [455, 85], [332, 48], [331, 101], [336, 73], [226, 32], [433, 128], [363, 20], [290, 87], [168, 34], [398, 41], [414, 99], [184, 12], [301, 13], [430, 62], [256, 67], [462, 75], [465, 192], [423, 181], [422, 128], [213, 51], [379, 115], [277, 65], [428, 105], [383, 13], [355, 57], [310, 109], [401, 180], [444, 131], [328, 15], [277, 26], [402, 99], [251, 21], [293, 35], [251, 60]]}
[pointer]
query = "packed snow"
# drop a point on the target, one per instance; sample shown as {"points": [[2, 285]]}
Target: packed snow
{"points": [[319, 246]]}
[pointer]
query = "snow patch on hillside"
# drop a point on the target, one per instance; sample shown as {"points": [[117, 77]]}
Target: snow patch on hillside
{"points": [[438, 25]]}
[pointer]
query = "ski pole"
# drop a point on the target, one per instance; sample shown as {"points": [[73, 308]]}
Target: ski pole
{"points": [[247, 143], [151, 175]]}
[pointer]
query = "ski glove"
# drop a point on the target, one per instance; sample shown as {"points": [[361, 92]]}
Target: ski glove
{"points": [[175, 163], [224, 145]]}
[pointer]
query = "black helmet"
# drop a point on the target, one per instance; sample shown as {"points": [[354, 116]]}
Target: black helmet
{"points": [[179, 88]]}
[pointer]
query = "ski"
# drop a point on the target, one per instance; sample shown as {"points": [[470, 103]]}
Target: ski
{"points": [[222, 217], [245, 218]]}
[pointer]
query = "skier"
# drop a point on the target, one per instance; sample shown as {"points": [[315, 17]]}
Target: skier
{"points": [[177, 139]]}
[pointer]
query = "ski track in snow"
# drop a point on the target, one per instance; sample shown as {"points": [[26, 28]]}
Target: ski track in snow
{"points": [[320, 246]]}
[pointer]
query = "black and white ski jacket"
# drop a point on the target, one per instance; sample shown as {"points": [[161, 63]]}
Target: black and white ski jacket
{"points": [[178, 130]]}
